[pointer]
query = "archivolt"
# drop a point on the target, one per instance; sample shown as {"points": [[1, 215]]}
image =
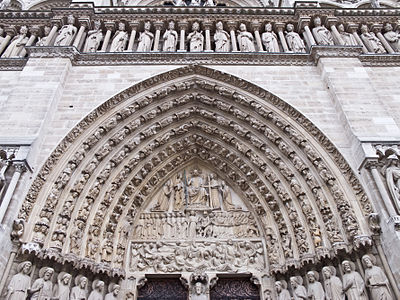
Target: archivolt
{"points": [[104, 171]]}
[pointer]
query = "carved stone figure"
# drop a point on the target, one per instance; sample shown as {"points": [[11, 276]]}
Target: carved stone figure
{"points": [[67, 33], [97, 292], [393, 37], [376, 279], [245, 39], [179, 193], [315, 290], [294, 41], [120, 39], [347, 38], [62, 289], [214, 192], [269, 39], [113, 291], [94, 38], [392, 173], [17, 44], [353, 284], [370, 40], [42, 288], [226, 197], [20, 282], [145, 38], [43, 41], [332, 283], [165, 197], [170, 38], [196, 38], [281, 290], [221, 38], [299, 291], [322, 35], [78, 292], [196, 191], [199, 292]]}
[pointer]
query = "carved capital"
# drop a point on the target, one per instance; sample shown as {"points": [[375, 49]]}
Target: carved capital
{"points": [[11, 30], [34, 30], [279, 26], [134, 25], [304, 21], [351, 27], [395, 220], [158, 25], [232, 25], [57, 21], [207, 24], [330, 20], [183, 25], [20, 167], [84, 21], [255, 25], [110, 25], [376, 27], [371, 164]]}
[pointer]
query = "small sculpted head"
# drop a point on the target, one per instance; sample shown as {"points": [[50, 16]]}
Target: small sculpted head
{"points": [[219, 25], [289, 27], [317, 22], [346, 266], [268, 27], [196, 26], [171, 25], [147, 25], [388, 27], [340, 28], [71, 19], [311, 277], [121, 26], [242, 27], [367, 261], [278, 286], [364, 28], [97, 24]]}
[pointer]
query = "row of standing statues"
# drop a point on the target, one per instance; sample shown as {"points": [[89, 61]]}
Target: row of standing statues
{"points": [[195, 39], [43, 288], [352, 286], [196, 190]]}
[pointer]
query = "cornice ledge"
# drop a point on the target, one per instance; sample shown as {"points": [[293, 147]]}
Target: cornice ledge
{"points": [[52, 52], [12, 64], [318, 52], [380, 60]]}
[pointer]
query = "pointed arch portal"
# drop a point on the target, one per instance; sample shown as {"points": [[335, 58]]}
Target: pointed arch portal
{"points": [[190, 170]]}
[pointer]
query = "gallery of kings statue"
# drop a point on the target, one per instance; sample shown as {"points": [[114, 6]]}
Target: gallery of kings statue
{"points": [[217, 149]]}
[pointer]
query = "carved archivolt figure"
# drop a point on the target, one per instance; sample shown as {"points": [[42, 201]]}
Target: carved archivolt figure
{"points": [[145, 38], [347, 38], [294, 41], [67, 33], [97, 292], [94, 38], [196, 191], [281, 290], [20, 282], [113, 291], [199, 292], [332, 283], [315, 290], [221, 38], [270, 39], [322, 35], [245, 39], [196, 38], [299, 291], [61, 289], [370, 40], [78, 292], [376, 279], [17, 44], [42, 288], [392, 37], [353, 284], [120, 39], [226, 197], [170, 38]]}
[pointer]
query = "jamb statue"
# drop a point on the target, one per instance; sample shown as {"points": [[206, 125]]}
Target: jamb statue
{"points": [[17, 44], [221, 38], [94, 38], [322, 35], [170, 38], [245, 39], [42, 288], [196, 38], [78, 292], [145, 38], [120, 39], [20, 282], [294, 41], [269, 39], [281, 290], [61, 289], [299, 291], [113, 291], [97, 292], [353, 284], [376, 279], [315, 290], [332, 283]]}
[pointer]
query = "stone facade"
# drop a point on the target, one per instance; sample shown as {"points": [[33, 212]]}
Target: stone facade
{"points": [[198, 150]]}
